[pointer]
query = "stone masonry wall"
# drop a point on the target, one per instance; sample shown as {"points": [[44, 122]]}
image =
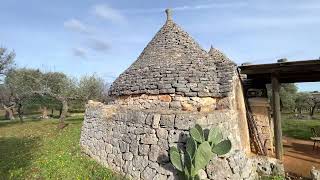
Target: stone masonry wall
{"points": [[136, 143], [172, 102], [133, 138]]}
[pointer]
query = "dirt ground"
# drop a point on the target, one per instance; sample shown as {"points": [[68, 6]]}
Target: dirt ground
{"points": [[299, 156]]}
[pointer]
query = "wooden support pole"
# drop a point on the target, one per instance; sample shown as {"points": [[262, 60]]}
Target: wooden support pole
{"points": [[276, 115]]}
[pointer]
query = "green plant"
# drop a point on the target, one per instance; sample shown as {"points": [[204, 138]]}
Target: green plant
{"points": [[199, 151]]}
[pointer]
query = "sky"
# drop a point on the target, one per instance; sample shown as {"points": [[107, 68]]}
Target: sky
{"points": [[106, 37]]}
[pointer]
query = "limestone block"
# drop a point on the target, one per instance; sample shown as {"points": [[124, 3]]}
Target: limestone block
{"points": [[149, 119], [124, 147], [218, 169], [149, 139], [156, 121], [143, 149], [162, 133], [175, 105], [127, 167], [148, 173], [167, 120], [134, 147], [108, 148], [163, 144], [184, 121], [140, 162], [128, 156], [165, 98], [187, 107], [154, 153], [160, 177]]}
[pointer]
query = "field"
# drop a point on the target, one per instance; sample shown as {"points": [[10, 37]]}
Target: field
{"points": [[36, 149], [299, 129]]}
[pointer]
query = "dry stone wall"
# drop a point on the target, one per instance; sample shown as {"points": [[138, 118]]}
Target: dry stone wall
{"points": [[136, 143], [172, 102]]}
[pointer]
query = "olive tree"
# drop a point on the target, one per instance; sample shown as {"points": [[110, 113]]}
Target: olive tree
{"points": [[61, 87], [91, 88], [6, 61], [21, 83]]}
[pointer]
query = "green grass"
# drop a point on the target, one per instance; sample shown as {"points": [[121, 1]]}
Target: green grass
{"points": [[38, 150], [299, 129]]}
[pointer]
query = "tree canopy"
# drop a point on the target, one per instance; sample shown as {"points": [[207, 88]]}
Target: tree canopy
{"points": [[6, 61]]}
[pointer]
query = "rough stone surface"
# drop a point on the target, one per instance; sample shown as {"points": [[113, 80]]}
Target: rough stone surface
{"points": [[174, 63], [141, 149], [173, 85], [315, 174]]}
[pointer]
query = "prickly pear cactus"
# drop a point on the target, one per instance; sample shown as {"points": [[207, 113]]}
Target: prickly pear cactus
{"points": [[199, 151]]}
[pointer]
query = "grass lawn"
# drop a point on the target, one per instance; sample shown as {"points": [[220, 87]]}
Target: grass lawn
{"points": [[300, 129], [38, 150]]}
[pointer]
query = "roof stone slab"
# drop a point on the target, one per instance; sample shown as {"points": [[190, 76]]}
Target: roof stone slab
{"points": [[226, 69], [173, 63]]}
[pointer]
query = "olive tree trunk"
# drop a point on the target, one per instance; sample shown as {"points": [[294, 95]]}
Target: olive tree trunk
{"points": [[20, 112], [44, 113], [9, 113]]}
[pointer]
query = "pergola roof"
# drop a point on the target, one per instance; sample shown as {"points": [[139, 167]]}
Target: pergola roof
{"points": [[287, 72]]}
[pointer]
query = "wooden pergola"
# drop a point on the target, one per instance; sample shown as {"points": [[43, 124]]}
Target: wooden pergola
{"points": [[281, 72]]}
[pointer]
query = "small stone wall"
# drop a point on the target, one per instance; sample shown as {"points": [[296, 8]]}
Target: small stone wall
{"points": [[172, 102], [136, 143], [133, 134]]}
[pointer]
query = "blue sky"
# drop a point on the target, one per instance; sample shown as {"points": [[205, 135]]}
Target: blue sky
{"points": [[105, 37]]}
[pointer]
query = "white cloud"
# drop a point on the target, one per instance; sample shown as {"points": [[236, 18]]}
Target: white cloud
{"points": [[76, 25], [106, 12], [79, 52]]}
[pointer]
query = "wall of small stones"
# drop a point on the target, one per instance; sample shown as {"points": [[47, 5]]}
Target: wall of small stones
{"points": [[136, 143], [172, 102]]}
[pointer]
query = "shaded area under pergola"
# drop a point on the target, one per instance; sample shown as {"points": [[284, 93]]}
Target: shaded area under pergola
{"points": [[276, 73]]}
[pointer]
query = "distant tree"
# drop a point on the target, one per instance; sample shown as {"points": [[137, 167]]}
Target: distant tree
{"points": [[6, 103], [288, 93], [6, 61], [21, 84], [91, 88], [301, 103], [62, 88], [32, 87], [314, 102]]}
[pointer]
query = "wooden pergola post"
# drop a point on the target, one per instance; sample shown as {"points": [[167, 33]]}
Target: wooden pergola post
{"points": [[276, 114]]}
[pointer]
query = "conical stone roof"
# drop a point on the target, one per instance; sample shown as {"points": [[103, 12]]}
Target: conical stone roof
{"points": [[172, 63], [225, 70]]}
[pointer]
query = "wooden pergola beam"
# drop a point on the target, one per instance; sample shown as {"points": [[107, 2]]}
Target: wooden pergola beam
{"points": [[276, 114]]}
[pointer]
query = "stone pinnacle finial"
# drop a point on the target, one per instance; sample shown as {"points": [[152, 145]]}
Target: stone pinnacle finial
{"points": [[169, 12]]}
